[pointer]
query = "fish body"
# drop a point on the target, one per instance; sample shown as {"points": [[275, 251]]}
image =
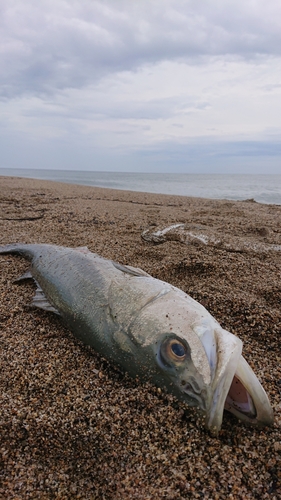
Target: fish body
{"points": [[148, 328]]}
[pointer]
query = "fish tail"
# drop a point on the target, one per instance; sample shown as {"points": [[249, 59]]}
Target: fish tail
{"points": [[17, 249]]}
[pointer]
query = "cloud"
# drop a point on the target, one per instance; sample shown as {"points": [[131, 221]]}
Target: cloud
{"points": [[48, 46], [147, 84]]}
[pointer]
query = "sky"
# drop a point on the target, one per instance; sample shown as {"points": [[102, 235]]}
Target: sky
{"points": [[188, 86]]}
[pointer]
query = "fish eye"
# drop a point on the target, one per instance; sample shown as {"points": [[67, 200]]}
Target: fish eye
{"points": [[178, 349], [175, 350]]}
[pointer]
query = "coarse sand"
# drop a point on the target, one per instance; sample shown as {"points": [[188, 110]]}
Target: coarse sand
{"points": [[74, 427]]}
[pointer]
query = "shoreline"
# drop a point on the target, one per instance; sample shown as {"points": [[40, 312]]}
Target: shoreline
{"points": [[260, 193], [74, 425]]}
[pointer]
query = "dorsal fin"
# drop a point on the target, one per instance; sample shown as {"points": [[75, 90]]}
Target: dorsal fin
{"points": [[133, 271], [83, 250]]}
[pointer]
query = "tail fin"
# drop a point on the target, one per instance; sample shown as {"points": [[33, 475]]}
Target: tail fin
{"points": [[18, 249]]}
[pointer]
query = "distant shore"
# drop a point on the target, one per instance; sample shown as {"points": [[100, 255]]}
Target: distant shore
{"points": [[73, 425]]}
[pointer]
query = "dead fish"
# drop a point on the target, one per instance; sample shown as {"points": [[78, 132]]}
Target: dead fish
{"points": [[190, 234], [149, 328]]}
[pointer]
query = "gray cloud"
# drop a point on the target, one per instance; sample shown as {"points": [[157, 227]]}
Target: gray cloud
{"points": [[141, 85], [203, 155], [47, 47]]}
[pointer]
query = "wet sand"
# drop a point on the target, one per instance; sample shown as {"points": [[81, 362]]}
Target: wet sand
{"points": [[72, 426]]}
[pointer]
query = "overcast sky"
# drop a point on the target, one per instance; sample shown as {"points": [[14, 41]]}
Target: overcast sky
{"points": [[141, 85]]}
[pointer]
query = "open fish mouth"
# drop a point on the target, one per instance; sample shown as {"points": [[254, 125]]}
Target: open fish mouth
{"points": [[239, 401], [244, 397], [234, 387]]}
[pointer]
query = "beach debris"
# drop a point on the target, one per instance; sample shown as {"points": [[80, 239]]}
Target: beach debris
{"points": [[36, 217], [205, 236], [149, 328]]}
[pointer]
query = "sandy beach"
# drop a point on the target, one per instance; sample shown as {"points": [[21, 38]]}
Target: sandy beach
{"points": [[73, 426]]}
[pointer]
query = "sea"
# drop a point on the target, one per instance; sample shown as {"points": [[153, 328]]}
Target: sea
{"points": [[261, 188]]}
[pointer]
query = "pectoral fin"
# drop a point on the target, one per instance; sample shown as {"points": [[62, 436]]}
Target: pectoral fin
{"points": [[24, 277], [41, 301]]}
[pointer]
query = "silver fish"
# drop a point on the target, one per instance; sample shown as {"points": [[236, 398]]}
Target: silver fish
{"points": [[149, 328]]}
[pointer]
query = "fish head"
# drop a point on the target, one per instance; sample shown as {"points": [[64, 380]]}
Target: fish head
{"points": [[199, 362], [200, 368]]}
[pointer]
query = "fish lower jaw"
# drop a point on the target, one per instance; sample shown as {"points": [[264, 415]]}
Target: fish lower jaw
{"points": [[245, 398]]}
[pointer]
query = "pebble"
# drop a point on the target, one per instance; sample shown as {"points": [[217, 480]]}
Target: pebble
{"points": [[71, 425]]}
